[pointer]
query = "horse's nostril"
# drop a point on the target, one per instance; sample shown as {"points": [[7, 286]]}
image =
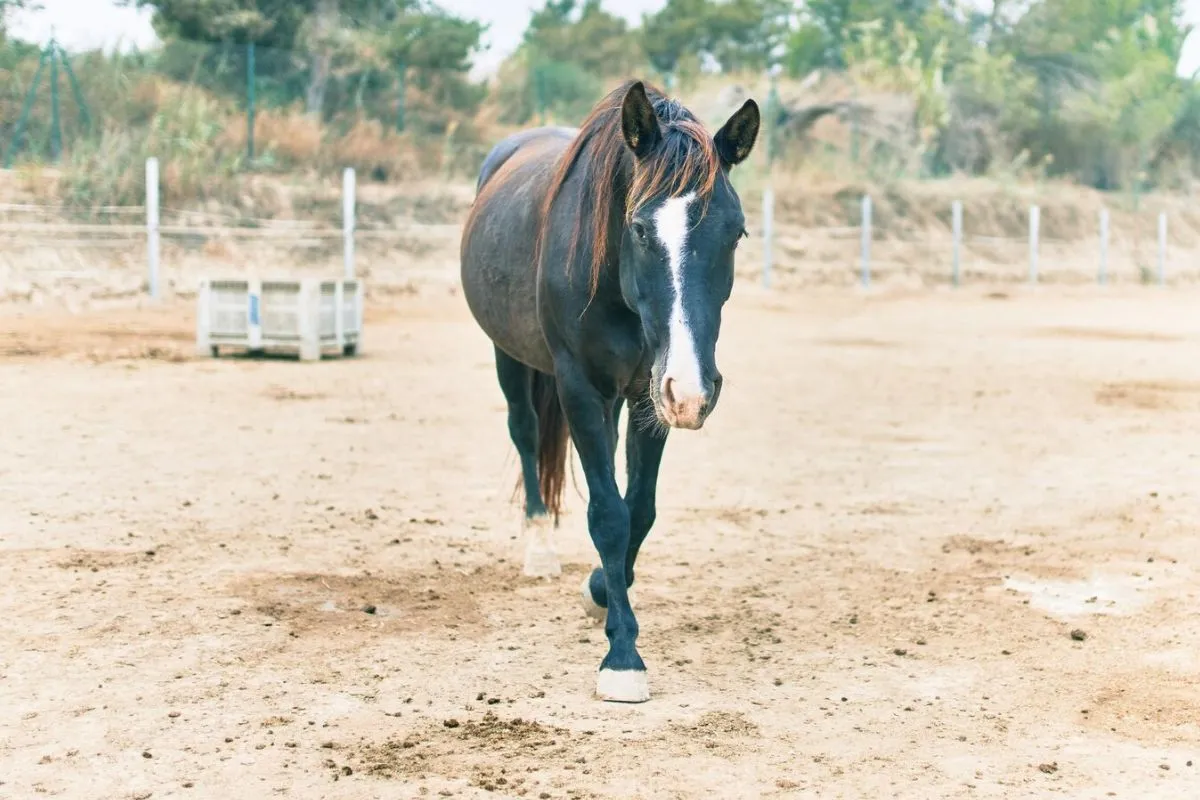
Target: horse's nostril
{"points": [[668, 394]]}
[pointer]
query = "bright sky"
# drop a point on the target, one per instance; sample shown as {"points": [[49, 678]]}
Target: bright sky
{"points": [[83, 24]]}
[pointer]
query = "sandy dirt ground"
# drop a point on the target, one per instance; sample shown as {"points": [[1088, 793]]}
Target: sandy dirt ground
{"points": [[931, 545]]}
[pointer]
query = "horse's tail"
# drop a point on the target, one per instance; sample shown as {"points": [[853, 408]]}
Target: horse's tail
{"points": [[553, 441]]}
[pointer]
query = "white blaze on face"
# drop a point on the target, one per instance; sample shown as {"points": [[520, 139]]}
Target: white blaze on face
{"points": [[683, 365]]}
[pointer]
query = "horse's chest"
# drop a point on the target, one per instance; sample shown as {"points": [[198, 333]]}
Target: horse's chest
{"points": [[615, 349]]}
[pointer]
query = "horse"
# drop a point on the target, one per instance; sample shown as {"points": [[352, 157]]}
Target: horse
{"points": [[598, 261]]}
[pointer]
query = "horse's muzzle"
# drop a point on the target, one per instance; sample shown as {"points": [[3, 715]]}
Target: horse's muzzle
{"points": [[688, 407]]}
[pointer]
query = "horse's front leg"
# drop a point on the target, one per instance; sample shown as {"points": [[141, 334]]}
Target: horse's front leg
{"points": [[622, 675], [643, 454]]}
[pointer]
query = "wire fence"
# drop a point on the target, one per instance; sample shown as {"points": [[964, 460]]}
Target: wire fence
{"points": [[956, 255], [211, 112], [216, 121]]}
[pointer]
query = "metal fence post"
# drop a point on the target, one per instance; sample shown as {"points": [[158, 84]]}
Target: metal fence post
{"points": [[152, 237], [866, 240], [348, 221], [55, 113], [85, 115], [251, 101], [14, 144], [402, 100], [539, 93]]}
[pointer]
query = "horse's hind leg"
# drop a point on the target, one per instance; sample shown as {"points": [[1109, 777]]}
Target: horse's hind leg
{"points": [[516, 381]]}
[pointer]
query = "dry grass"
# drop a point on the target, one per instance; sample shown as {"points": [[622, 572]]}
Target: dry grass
{"points": [[374, 152], [290, 140], [200, 139], [284, 136]]}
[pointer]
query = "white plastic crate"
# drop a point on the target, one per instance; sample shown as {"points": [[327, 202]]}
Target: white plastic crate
{"points": [[308, 316]]}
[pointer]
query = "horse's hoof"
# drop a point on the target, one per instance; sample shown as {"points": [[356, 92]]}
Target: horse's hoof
{"points": [[597, 612], [622, 686], [541, 561]]}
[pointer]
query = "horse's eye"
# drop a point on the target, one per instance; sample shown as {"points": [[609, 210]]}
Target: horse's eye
{"points": [[639, 231]]}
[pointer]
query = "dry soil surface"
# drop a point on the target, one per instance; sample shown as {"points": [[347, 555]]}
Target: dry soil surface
{"points": [[931, 545]]}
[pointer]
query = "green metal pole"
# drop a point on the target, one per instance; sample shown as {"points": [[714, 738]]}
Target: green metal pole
{"points": [[1137, 175], [55, 117], [854, 146], [250, 101], [402, 101], [85, 115], [772, 122], [19, 133], [539, 95]]}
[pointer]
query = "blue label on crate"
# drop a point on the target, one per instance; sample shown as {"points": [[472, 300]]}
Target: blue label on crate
{"points": [[253, 309]]}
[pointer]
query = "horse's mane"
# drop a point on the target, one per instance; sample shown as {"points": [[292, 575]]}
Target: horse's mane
{"points": [[686, 159]]}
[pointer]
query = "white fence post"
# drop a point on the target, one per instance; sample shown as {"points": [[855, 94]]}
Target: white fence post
{"points": [[866, 240], [1035, 217], [152, 237], [768, 233], [1102, 277], [348, 222], [956, 224], [1162, 248]]}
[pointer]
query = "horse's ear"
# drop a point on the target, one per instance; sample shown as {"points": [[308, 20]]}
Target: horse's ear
{"points": [[639, 123], [736, 138]]}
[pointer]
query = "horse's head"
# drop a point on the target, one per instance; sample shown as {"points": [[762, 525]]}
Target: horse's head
{"points": [[683, 223]]}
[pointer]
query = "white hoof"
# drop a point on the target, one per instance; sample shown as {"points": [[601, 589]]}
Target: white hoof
{"points": [[597, 612], [541, 561], [622, 686]]}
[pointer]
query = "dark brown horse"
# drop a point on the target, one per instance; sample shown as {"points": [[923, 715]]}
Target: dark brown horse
{"points": [[598, 261]]}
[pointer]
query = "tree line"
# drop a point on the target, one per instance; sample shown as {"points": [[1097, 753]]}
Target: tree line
{"points": [[1080, 88]]}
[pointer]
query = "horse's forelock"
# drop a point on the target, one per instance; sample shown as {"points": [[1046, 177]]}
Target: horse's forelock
{"points": [[686, 160]]}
